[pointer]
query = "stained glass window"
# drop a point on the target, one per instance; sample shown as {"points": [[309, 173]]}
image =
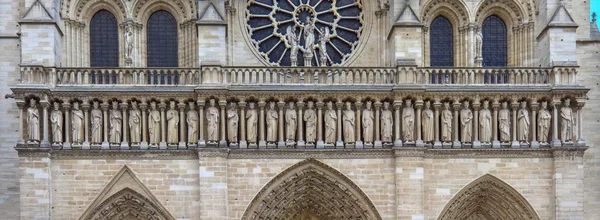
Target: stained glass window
{"points": [[441, 46], [104, 40], [162, 40], [494, 42]]}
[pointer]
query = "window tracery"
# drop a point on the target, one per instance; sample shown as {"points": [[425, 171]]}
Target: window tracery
{"points": [[104, 40], [162, 40]]}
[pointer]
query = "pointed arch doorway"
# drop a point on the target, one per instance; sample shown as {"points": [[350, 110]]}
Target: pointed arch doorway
{"points": [[311, 190]]}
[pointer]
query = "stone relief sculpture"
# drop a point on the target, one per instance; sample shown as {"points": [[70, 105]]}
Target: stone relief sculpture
{"points": [[294, 40], [544, 118], [116, 118], [446, 123], [310, 117], [387, 122], [523, 123], [56, 120], [427, 120], [252, 121], [154, 124], [272, 117], [330, 124], [96, 124], [566, 121], [77, 124], [349, 122], [367, 123], [33, 122], [485, 123], [172, 124], [291, 122], [233, 120], [504, 123], [408, 121], [466, 120], [192, 124], [128, 35], [323, 39], [478, 43], [212, 118], [135, 123]]}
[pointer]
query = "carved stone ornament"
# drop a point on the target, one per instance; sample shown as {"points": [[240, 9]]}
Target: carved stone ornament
{"points": [[523, 123], [368, 119], [33, 122], [272, 119], [154, 125], [349, 120], [544, 118], [116, 118], [252, 123], [172, 124], [96, 118], [466, 123], [56, 120], [310, 118], [427, 121], [291, 121], [446, 123], [77, 124], [233, 120], [504, 123], [387, 123], [330, 124], [135, 123], [212, 118], [408, 121], [192, 123], [566, 122], [485, 123]]}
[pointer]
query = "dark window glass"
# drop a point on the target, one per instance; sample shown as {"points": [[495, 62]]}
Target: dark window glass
{"points": [[441, 45], [494, 42], [162, 40], [104, 40]]}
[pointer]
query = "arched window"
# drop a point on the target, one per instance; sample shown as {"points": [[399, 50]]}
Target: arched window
{"points": [[494, 42], [441, 46], [104, 40], [162, 40]]}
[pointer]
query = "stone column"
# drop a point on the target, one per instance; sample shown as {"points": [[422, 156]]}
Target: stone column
{"points": [[569, 189], [104, 106], [243, 142], [182, 126], [377, 137], [281, 142], [163, 144], [418, 106], [300, 143], [21, 105], [436, 107], [201, 142], [320, 143], [357, 126], [514, 106], [339, 143], [533, 125], [476, 142], [86, 124], [45, 143], [124, 144], [67, 125], [456, 107], [580, 140], [222, 106], [262, 143], [495, 142], [212, 192], [144, 143], [409, 173], [555, 140], [398, 139]]}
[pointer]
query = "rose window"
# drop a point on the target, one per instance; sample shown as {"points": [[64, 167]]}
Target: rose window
{"points": [[305, 32]]}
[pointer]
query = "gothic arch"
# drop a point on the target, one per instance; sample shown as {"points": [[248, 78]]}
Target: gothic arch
{"points": [[182, 10], [488, 198], [314, 190], [455, 11], [509, 10], [85, 9]]}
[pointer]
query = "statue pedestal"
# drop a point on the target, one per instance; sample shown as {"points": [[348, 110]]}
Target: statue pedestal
{"points": [[76, 146], [556, 143], [45, 144], [476, 144], [420, 143], [135, 146], [456, 145], [253, 146], [201, 143], [20, 141], [535, 144], [124, 146], [84, 146], [581, 142], [515, 144], [378, 144], [223, 143], [281, 144], [262, 144], [105, 146], [290, 144], [162, 145], [300, 144], [496, 144], [339, 144], [437, 144], [67, 146], [182, 146], [349, 146], [358, 144], [234, 145], [243, 144], [57, 146], [447, 145], [271, 145], [320, 144], [398, 143]]}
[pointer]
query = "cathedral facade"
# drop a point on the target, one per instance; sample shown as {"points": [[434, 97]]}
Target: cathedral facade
{"points": [[299, 109]]}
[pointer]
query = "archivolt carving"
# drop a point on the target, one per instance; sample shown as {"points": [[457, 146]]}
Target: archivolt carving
{"points": [[82, 8], [128, 204], [311, 185], [510, 10], [184, 9], [490, 197], [455, 11]]}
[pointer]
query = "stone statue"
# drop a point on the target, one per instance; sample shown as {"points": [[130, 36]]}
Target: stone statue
{"points": [[233, 120], [466, 120], [310, 117], [504, 123], [485, 123], [446, 123], [252, 121], [172, 124], [408, 119], [212, 117], [135, 123], [116, 118], [33, 122], [349, 122], [272, 117], [523, 123], [309, 41], [323, 39], [154, 125], [128, 42], [96, 124], [330, 124], [367, 123], [56, 119], [294, 41], [77, 124], [192, 124], [386, 123], [427, 120], [291, 122], [478, 43], [566, 122], [544, 117]]}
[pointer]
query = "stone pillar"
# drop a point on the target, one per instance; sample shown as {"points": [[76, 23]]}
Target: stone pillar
{"points": [[201, 142], [104, 106], [418, 106], [533, 125], [339, 143], [182, 126], [436, 107], [514, 106], [243, 141], [409, 173], [222, 106], [569, 190], [398, 139], [35, 191], [124, 144], [262, 143], [377, 136], [300, 130], [45, 143], [213, 183], [455, 134], [357, 127], [86, 125], [281, 142], [21, 105], [495, 142], [163, 144], [580, 140], [144, 143], [67, 125], [320, 142], [476, 142]]}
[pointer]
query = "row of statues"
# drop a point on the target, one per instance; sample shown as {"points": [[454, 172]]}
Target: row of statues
{"points": [[286, 123]]}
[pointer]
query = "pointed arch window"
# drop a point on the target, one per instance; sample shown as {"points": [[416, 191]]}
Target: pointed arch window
{"points": [[104, 40], [162, 40], [494, 42], [441, 45]]}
